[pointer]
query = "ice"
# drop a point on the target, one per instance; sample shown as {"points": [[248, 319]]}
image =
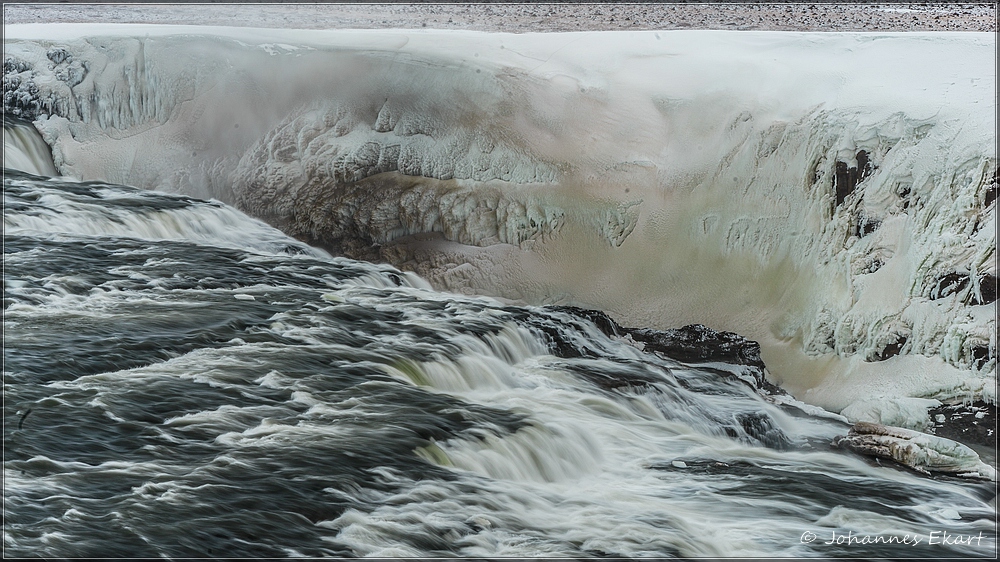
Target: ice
{"points": [[908, 413], [668, 178], [920, 451]]}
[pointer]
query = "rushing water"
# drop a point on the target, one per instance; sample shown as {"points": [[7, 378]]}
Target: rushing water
{"points": [[182, 380], [24, 149]]}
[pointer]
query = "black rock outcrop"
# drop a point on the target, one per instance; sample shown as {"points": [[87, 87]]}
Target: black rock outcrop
{"points": [[694, 343], [974, 423], [987, 290], [845, 178]]}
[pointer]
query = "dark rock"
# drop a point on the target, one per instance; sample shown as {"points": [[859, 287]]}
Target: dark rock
{"points": [[949, 284], [865, 167], [560, 346], [991, 190], [761, 428], [955, 282], [560, 337], [866, 226], [691, 344], [696, 343], [845, 178], [980, 356], [604, 322], [960, 423], [890, 350], [842, 183], [608, 377], [987, 290]]}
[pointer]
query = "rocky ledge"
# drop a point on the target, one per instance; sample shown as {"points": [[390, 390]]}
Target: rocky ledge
{"points": [[924, 453], [691, 344], [940, 451], [974, 423]]}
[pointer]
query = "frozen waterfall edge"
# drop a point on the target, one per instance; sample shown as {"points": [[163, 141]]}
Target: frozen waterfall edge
{"points": [[855, 242]]}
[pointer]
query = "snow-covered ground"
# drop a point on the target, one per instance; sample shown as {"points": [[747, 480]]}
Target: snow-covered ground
{"points": [[666, 177]]}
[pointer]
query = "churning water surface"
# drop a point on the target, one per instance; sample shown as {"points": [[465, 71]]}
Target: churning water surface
{"points": [[182, 380]]}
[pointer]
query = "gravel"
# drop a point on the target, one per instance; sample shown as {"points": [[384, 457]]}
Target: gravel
{"points": [[523, 18]]}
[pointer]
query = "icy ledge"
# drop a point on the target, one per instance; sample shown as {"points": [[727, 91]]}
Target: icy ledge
{"points": [[831, 196], [919, 451]]}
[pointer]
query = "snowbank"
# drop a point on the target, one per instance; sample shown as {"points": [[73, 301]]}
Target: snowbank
{"points": [[829, 195]]}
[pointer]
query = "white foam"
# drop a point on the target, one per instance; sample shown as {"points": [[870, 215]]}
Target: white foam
{"points": [[24, 150], [59, 213]]}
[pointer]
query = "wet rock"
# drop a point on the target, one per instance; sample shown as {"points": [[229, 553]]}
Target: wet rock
{"points": [[694, 343], [697, 343], [975, 423], [924, 453], [761, 428], [604, 322], [609, 377], [563, 342]]}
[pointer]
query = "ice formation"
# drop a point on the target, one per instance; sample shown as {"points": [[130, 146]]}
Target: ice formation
{"points": [[922, 452], [829, 195]]}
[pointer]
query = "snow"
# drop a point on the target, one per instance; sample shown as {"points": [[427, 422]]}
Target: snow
{"points": [[923, 452], [908, 413], [665, 177]]}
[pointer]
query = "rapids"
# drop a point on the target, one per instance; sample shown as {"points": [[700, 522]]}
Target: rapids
{"points": [[179, 391]]}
